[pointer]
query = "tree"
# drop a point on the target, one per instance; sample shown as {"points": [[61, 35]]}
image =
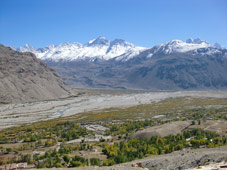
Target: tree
{"points": [[179, 147], [9, 150], [58, 165], [195, 143], [152, 150], [95, 161], [167, 148], [216, 140], [76, 163], [109, 162], [101, 140], [66, 158]]}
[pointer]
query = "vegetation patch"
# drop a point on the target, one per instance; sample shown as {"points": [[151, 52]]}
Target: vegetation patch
{"points": [[51, 143]]}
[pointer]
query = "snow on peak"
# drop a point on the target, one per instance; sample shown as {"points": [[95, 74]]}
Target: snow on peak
{"points": [[121, 42], [100, 41], [98, 48], [26, 48], [91, 41], [123, 49], [195, 41], [51, 46], [181, 46], [118, 49]]}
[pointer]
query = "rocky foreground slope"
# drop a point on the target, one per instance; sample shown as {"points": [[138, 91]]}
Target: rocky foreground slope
{"points": [[183, 159], [24, 78]]}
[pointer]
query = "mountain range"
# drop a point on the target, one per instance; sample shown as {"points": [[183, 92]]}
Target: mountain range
{"points": [[99, 48], [175, 65]]}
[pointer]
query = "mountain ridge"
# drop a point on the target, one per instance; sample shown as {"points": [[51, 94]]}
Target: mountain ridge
{"points": [[173, 65], [101, 48]]}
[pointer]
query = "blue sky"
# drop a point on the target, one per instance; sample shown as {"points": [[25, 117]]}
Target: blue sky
{"points": [[142, 22]]}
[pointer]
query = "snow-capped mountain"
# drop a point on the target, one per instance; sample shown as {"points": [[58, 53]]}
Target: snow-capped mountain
{"points": [[118, 49], [181, 46], [192, 46], [193, 64], [196, 41], [27, 48], [99, 48]]}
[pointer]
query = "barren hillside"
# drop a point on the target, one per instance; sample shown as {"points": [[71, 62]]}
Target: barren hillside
{"points": [[24, 78]]}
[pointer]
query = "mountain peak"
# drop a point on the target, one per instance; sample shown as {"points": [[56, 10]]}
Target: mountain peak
{"points": [[174, 42], [26, 48], [118, 48], [195, 41], [181, 46], [121, 42], [101, 40], [97, 48], [217, 45]]}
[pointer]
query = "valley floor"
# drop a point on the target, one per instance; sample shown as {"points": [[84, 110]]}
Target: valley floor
{"points": [[16, 114], [106, 128]]}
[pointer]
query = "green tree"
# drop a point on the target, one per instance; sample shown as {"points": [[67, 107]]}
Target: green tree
{"points": [[95, 161], [76, 163], [66, 158]]}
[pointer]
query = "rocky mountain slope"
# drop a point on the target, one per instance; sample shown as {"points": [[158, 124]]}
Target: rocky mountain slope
{"points": [[24, 78], [174, 65]]}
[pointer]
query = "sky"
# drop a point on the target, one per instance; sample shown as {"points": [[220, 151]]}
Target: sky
{"points": [[141, 22]]}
